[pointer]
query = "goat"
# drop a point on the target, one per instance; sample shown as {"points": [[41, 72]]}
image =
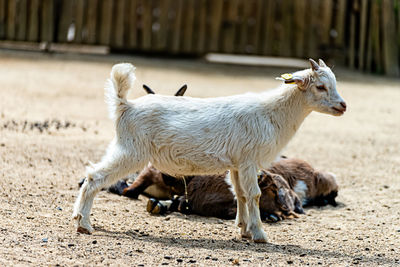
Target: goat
{"points": [[240, 133], [312, 186], [212, 196], [294, 182]]}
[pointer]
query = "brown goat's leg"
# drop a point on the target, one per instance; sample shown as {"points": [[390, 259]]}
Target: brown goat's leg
{"points": [[137, 188], [242, 212]]}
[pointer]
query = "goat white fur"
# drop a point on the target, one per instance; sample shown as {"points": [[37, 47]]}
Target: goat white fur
{"points": [[192, 136]]}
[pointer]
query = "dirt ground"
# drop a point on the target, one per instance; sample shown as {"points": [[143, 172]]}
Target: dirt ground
{"points": [[54, 120]]}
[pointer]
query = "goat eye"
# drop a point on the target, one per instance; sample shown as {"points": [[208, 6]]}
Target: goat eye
{"points": [[321, 88]]}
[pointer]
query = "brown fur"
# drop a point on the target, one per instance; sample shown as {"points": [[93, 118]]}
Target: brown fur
{"points": [[321, 187], [211, 195]]}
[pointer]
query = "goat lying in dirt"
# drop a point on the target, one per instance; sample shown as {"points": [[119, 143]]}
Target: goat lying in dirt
{"points": [[240, 133], [285, 187]]}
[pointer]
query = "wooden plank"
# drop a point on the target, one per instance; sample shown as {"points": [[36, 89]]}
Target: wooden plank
{"points": [[155, 23], [215, 24], [132, 24], [258, 6], [202, 26], [22, 19], [11, 18], [374, 55], [313, 30], [33, 24], [118, 25], [231, 20], [251, 60], [287, 30], [177, 35], [268, 39], [106, 21], [398, 26], [299, 27], [188, 26], [146, 24], [362, 32], [3, 16], [66, 14], [340, 23], [162, 36], [80, 18], [91, 21], [18, 45], [47, 21], [244, 26], [390, 53], [352, 52], [368, 59], [326, 20], [79, 48]]}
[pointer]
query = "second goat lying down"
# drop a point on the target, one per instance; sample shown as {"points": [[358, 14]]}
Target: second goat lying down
{"points": [[285, 187], [312, 186], [241, 133]]}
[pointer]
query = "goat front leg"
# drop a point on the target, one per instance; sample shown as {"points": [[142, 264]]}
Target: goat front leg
{"points": [[249, 184], [105, 173], [242, 212]]}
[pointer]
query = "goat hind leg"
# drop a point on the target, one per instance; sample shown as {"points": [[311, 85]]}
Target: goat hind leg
{"points": [[242, 212], [105, 173]]}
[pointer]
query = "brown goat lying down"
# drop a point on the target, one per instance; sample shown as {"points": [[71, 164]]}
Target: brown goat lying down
{"points": [[285, 187]]}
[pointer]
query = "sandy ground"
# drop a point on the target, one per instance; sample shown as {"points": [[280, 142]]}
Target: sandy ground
{"points": [[41, 164]]}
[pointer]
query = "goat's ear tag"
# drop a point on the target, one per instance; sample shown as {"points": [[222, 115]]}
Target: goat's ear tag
{"points": [[287, 77]]}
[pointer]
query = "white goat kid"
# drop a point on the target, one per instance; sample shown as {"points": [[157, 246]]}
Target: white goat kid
{"points": [[193, 136]]}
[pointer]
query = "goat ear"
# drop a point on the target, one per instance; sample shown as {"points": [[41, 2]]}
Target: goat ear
{"points": [[300, 81], [181, 91], [314, 65], [265, 179], [322, 63], [148, 89]]}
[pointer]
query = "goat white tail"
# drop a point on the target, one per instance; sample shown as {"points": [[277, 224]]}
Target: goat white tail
{"points": [[117, 88]]}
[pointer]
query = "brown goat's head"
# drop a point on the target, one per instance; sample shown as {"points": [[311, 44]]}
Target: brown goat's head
{"points": [[277, 200]]}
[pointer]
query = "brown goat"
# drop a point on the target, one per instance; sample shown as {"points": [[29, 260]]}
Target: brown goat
{"points": [[312, 186], [211, 195]]}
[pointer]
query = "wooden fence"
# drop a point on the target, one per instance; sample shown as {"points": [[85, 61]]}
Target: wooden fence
{"points": [[361, 34]]}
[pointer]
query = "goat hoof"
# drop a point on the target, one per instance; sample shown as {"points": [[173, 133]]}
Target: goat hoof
{"points": [[245, 234], [273, 218], [261, 240], [151, 204], [259, 236], [83, 230], [158, 209]]}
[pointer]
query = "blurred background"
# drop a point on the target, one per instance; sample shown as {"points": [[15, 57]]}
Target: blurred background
{"points": [[359, 34]]}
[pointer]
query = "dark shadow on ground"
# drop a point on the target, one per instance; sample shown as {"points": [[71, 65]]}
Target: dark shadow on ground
{"points": [[243, 245]]}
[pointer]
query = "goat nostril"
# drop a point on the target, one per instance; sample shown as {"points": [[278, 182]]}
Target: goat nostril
{"points": [[343, 104]]}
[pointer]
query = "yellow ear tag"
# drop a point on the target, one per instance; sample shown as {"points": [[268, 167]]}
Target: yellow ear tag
{"points": [[287, 76]]}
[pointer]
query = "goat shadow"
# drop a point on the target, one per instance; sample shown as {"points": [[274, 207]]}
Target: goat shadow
{"points": [[241, 245]]}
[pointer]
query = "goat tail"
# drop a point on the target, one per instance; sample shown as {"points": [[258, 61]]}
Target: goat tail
{"points": [[117, 88]]}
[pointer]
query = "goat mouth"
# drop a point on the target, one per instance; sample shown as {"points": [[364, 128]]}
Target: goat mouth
{"points": [[339, 111]]}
